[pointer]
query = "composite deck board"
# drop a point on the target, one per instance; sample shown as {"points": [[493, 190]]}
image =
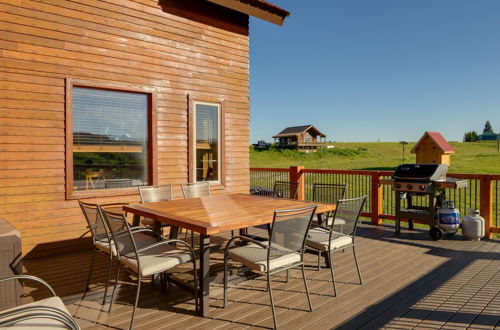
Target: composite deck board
{"points": [[408, 282]]}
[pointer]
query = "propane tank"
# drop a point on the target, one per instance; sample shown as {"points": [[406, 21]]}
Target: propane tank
{"points": [[448, 217], [473, 225]]}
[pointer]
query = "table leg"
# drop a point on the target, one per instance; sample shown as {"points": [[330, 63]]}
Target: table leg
{"points": [[319, 216], [157, 227], [174, 232], [204, 274], [136, 220]]}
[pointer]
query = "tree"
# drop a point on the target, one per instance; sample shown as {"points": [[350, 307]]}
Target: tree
{"points": [[470, 136], [488, 128]]}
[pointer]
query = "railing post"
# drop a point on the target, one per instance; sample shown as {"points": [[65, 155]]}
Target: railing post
{"points": [[376, 198], [486, 204], [297, 176]]}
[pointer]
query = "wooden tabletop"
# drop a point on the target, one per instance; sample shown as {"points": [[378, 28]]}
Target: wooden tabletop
{"points": [[218, 213]]}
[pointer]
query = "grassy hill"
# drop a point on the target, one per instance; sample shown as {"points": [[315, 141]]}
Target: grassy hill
{"points": [[472, 157]]}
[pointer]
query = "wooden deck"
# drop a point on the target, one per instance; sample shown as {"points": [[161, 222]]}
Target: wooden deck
{"points": [[409, 282]]}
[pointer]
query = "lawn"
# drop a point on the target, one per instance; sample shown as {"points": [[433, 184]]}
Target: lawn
{"points": [[471, 157]]}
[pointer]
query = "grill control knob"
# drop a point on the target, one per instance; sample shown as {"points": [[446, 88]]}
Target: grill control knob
{"points": [[397, 185], [422, 187], [409, 186]]}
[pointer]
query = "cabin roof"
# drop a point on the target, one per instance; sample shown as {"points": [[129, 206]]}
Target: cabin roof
{"points": [[296, 130], [257, 8], [438, 139]]}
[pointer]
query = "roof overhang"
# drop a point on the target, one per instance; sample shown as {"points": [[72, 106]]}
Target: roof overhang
{"points": [[257, 8]]}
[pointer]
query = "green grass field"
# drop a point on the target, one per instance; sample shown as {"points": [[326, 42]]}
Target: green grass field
{"points": [[471, 157]]}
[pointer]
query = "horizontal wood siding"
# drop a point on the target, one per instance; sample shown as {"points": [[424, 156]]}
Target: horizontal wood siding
{"points": [[131, 42]]}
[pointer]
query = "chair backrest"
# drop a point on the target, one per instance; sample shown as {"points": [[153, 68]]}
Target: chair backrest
{"points": [[121, 234], [95, 222], [289, 230], [196, 189], [349, 211], [156, 193], [285, 189], [328, 192]]}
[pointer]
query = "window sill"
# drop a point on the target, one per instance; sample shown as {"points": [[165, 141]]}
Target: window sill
{"points": [[103, 193], [217, 186]]}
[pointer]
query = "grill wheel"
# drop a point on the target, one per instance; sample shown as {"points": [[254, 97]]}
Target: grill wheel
{"points": [[436, 233]]}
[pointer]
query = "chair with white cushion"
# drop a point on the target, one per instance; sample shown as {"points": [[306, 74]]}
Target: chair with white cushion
{"points": [[147, 260], [48, 313], [327, 240], [195, 190], [329, 193], [155, 193], [102, 242], [283, 251]]}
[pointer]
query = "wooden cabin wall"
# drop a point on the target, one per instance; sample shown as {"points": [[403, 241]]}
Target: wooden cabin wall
{"points": [[129, 42]]}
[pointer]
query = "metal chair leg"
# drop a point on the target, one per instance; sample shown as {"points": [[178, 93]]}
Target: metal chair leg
{"points": [[287, 275], [333, 276], [196, 297], [136, 300], [319, 260], [225, 282], [270, 289], [114, 287], [307, 289], [108, 278], [357, 265], [89, 277]]}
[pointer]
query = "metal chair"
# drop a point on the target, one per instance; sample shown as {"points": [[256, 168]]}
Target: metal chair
{"points": [[156, 193], [283, 251], [147, 260], [328, 193], [327, 240], [101, 238], [285, 189], [48, 313], [195, 189]]}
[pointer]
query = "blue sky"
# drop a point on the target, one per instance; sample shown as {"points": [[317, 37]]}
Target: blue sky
{"points": [[368, 70]]}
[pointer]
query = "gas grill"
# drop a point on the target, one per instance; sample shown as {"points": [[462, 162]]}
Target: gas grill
{"points": [[415, 182]]}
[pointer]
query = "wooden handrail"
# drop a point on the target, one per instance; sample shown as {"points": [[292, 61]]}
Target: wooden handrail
{"points": [[270, 169]]}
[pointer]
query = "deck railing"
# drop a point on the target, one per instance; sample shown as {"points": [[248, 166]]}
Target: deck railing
{"points": [[482, 192]]}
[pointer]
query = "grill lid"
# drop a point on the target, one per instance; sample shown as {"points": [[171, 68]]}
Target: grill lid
{"points": [[420, 172]]}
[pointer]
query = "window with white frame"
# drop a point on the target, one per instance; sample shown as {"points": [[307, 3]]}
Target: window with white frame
{"points": [[207, 140]]}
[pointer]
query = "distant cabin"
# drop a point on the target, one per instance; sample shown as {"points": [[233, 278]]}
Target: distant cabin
{"points": [[305, 138], [432, 148], [488, 137]]}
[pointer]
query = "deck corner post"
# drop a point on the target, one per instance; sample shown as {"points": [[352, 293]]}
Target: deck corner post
{"points": [[486, 204], [376, 198], [296, 175]]}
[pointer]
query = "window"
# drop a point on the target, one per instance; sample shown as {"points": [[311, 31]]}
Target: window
{"points": [[109, 138], [207, 142]]}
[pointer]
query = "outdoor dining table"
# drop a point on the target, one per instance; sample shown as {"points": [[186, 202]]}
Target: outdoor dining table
{"points": [[213, 215]]}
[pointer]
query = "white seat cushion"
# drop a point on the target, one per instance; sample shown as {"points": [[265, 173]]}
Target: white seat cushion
{"points": [[156, 259], [39, 323], [318, 239], [141, 239], [255, 257]]}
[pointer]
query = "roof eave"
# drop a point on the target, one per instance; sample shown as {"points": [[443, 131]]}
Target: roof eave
{"points": [[260, 9]]}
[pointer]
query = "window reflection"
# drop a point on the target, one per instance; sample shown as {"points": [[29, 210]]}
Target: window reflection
{"points": [[110, 139], [207, 142]]}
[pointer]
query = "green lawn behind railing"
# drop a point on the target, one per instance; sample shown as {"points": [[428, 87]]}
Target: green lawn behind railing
{"points": [[475, 157]]}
